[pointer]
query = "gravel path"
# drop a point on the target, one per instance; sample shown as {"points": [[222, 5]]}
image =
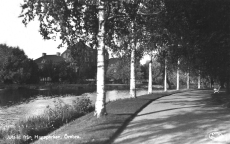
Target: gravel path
{"points": [[183, 118]]}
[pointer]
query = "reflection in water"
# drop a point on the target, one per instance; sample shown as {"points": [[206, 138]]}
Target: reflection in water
{"points": [[9, 97], [11, 114]]}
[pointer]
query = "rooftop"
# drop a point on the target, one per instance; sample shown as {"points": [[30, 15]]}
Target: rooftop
{"points": [[53, 58]]}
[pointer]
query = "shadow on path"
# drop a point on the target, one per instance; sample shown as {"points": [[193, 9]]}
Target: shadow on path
{"points": [[165, 110], [184, 118]]}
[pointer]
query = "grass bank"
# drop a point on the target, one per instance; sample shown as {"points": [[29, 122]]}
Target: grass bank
{"points": [[29, 130], [90, 130]]}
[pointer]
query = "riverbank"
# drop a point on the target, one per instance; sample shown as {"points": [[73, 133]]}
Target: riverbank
{"points": [[68, 86], [88, 129], [36, 106], [47, 86], [27, 130]]}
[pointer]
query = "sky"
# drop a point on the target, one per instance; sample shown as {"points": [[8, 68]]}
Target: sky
{"points": [[14, 33]]}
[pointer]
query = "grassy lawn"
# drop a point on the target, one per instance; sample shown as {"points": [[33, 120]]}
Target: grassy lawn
{"points": [[88, 129]]}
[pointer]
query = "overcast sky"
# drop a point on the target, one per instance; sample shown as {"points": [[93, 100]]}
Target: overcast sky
{"points": [[14, 33]]}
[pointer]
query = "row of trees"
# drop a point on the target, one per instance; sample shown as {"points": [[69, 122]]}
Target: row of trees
{"points": [[120, 73], [196, 38], [199, 37], [181, 31]]}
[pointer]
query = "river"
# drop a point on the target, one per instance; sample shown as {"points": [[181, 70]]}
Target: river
{"points": [[21, 104]]}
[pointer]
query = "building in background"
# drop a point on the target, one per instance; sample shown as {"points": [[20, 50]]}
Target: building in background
{"points": [[47, 66], [55, 59], [81, 58]]}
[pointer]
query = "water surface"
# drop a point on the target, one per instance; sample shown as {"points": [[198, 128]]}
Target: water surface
{"points": [[22, 109]]}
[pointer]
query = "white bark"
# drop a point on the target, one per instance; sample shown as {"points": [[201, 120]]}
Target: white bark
{"points": [[150, 87], [178, 77], [100, 109], [188, 80], [199, 80], [132, 73], [132, 65], [165, 78]]}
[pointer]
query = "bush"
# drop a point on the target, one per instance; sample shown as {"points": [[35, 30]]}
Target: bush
{"points": [[29, 130]]}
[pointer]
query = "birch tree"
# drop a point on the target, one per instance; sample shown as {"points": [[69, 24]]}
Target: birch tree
{"points": [[209, 43], [96, 22], [100, 108], [178, 77], [198, 80], [188, 80], [132, 72], [150, 87], [137, 14], [165, 76], [150, 52], [73, 21]]}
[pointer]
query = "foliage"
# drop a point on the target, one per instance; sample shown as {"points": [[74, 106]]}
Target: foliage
{"points": [[96, 22], [59, 72], [4, 53], [201, 28], [34, 72], [66, 72], [158, 74], [16, 67], [121, 70], [157, 71], [75, 20], [52, 119]]}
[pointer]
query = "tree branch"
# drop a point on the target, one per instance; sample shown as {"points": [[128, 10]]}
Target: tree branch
{"points": [[141, 13], [116, 16]]}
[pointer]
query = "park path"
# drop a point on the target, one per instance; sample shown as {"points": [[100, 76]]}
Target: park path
{"points": [[183, 118]]}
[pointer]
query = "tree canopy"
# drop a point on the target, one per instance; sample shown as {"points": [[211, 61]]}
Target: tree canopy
{"points": [[202, 34], [192, 31], [120, 71], [16, 67]]}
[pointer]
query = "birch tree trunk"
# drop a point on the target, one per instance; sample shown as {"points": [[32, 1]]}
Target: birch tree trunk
{"points": [[100, 109], [150, 87], [165, 78], [177, 80], [132, 65], [178, 77], [199, 80], [132, 73], [188, 80]]}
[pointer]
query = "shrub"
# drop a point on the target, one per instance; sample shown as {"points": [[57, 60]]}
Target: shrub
{"points": [[26, 131]]}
